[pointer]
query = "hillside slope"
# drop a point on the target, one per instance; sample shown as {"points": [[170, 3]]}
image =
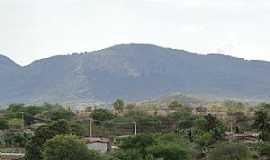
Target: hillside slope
{"points": [[133, 72]]}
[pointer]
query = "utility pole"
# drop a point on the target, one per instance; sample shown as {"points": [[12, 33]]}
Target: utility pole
{"points": [[22, 119], [135, 128], [231, 128], [90, 127]]}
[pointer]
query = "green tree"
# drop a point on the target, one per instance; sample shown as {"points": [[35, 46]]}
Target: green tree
{"points": [[15, 108], [215, 127], [205, 139], [261, 120], [59, 114], [170, 147], [211, 125], [240, 121], [146, 123], [200, 123], [131, 154], [180, 115], [264, 151], [79, 129], [138, 143], [67, 147], [3, 124], [230, 151], [33, 110], [234, 106], [101, 115], [118, 105], [15, 123], [169, 151], [166, 147], [42, 134], [175, 105], [264, 107], [262, 124], [16, 139]]}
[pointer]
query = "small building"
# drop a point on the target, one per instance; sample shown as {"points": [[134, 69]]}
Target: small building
{"points": [[247, 137], [11, 156], [199, 110], [101, 145]]}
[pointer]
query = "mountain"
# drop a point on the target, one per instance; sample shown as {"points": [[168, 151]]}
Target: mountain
{"points": [[132, 72], [8, 70], [7, 64]]}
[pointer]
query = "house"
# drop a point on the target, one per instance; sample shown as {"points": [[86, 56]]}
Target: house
{"points": [[199, 110], [101, 145], [247, 137], [11, 156]]}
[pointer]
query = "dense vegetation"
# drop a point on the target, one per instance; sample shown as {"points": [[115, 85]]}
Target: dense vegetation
{"points": [[51, 132]]}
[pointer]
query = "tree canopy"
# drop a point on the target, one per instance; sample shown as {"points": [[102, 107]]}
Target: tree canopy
{"points": [[230, 151], [67, 147], [118, 105]]}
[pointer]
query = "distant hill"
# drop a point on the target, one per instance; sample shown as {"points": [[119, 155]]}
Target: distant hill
{"points": [[164, 101], [132, 72]]}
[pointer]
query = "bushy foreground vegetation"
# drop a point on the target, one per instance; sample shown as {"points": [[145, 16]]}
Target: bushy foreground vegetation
{"points": [[50, 132]]}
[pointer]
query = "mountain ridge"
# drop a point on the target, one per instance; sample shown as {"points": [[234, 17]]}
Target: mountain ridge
{"points": [[134, 72], [4, 60], [146, 44]]}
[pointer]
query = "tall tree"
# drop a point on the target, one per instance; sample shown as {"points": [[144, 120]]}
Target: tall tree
{"points": [[118, 105], [262, 124]]}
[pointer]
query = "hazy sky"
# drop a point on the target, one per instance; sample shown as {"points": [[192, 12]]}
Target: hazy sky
{"points": [[34, 29]]}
